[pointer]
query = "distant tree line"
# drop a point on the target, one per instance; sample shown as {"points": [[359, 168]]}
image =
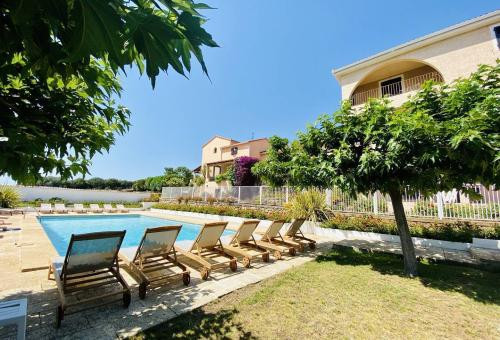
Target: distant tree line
{"points": [[91, 183], [172, 177]]}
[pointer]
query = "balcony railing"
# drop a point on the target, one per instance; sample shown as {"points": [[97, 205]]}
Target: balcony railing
{"points": [[407, 85]]}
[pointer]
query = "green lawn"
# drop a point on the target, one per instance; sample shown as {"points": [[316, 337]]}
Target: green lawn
{"points": [[351, 295]]}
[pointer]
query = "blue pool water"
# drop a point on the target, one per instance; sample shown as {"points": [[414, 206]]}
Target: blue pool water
{"points": [[60, 228]]}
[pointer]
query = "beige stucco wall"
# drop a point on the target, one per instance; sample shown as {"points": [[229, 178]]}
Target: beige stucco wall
{"points": [[406, 75], [252, 148], [243, 150], [258, 146], [454, 57], [207, 152]]}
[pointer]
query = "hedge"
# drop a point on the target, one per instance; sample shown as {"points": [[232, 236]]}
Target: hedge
{"points": [[459, 231], [225, 210]]}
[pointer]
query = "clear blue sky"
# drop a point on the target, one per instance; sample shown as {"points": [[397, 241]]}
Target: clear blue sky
{"points": [[271, 74]]}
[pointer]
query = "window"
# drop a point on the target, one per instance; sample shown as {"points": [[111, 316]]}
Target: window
{"points": [[496, 31], [234, 150], [213, 171], [215, 150], [391, 87]]}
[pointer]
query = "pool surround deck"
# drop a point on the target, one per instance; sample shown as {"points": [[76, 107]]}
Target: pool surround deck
{"points": [[112, 321]]}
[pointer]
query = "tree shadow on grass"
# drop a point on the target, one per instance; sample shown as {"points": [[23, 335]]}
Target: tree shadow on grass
{"points": [[199, 324], [476, 283]]}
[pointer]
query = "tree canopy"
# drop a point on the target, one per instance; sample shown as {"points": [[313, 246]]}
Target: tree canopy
{"points": [[59, 67], [91, 183], [288, 164], [446, 136]]}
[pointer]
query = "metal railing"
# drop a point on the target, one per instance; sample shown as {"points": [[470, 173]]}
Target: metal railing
{"points": [[407, 85], [444, 205]]}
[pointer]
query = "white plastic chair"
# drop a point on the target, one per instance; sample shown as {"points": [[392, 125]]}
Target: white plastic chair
{"points": [[14, 312]]}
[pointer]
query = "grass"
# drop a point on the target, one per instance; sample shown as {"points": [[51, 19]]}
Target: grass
{"points": [[351, 295]]}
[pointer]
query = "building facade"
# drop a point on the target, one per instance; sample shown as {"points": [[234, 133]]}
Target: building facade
{"points": [[442, 56], [219, 153]]}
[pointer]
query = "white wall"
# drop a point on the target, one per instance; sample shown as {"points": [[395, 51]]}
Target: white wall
{"points": [[78, 195]]}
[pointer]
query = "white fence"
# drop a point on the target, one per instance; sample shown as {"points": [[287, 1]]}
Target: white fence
{"points": [[78, 195], [444, 205]]}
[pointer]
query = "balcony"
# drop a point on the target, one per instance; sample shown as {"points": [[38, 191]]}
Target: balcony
{"points": [[391, 88]]}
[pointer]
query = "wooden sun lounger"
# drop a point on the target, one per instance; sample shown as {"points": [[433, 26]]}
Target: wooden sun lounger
{"points": [[95, 208], [207, 247], [78, 208], [60, 208], [273, 241], [154, 262], [293, 234], [83, 271], [243, 244], [45, 208], [109, 208], [122, 208]]}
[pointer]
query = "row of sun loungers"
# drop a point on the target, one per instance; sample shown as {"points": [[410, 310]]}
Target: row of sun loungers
{"points": [[60, 208], [92, 260]]}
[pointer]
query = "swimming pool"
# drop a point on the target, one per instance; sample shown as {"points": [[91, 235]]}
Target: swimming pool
{"points": [[60, 228]]}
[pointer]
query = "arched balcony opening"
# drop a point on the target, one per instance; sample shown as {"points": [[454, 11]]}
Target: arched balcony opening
{"points": [[394, 79]]}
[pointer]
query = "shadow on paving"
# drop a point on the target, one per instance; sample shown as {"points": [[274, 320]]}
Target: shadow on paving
{"points": [[200, 324], [478, 284]]}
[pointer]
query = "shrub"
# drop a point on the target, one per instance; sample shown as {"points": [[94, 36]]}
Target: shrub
{"points": [[243, 171], [458, 231], [153, 197], [9, 197], [309, 204], [199, 181], [57, 200], [211, 200], [226, 211], [448, 231]]}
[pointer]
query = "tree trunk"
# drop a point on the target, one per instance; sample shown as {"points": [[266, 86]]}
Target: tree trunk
{"points": [[410, 260]]}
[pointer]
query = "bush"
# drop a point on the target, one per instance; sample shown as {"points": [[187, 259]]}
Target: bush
{"points": [[225, 210], [449, 231], [309, 204], [242, 172], [153, 197], [9, 197], [56, 200], [211, 200]]}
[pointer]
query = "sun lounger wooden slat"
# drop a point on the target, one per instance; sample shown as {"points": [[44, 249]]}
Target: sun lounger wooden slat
{"points": [[293, 234], [273, 241], [207, 247], [87, 271], [243, 244], [156, 254]]}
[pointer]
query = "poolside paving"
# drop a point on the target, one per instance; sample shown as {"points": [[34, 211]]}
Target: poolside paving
{"points": [[112, 321], [25, 253]]}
